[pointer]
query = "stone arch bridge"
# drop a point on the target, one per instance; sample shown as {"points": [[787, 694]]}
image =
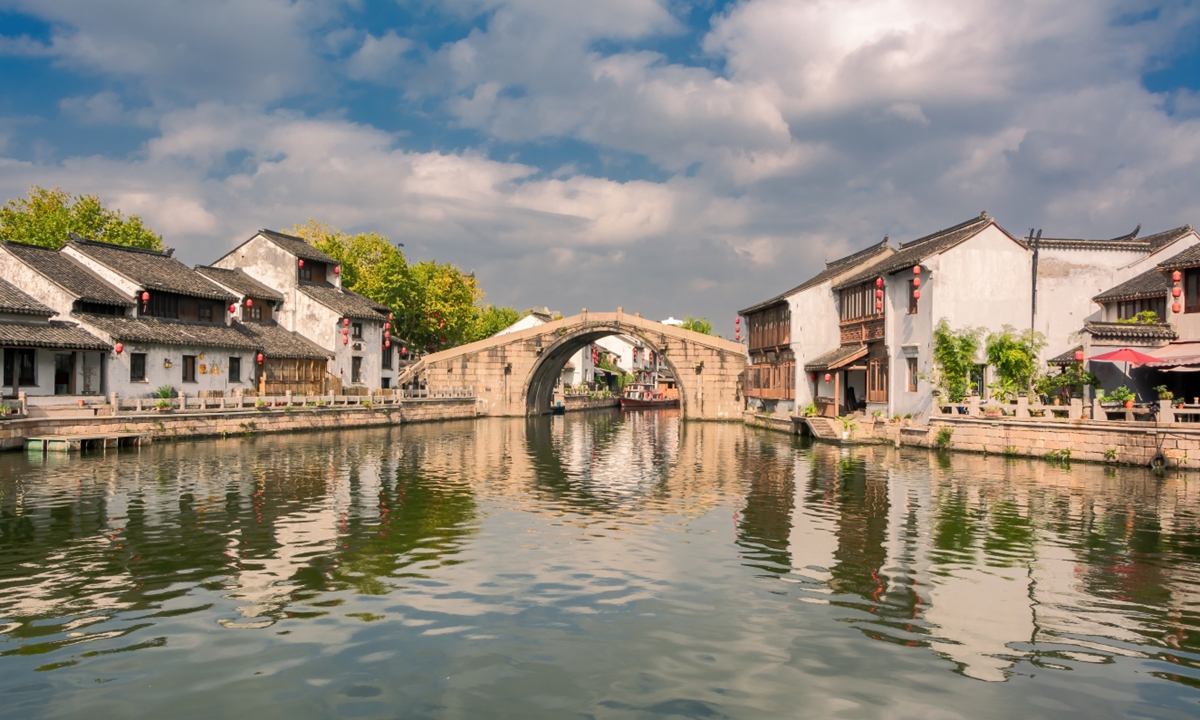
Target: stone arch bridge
{"points": [[515, 373]]}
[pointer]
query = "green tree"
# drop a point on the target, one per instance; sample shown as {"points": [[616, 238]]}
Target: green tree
{"points": [[954, 355], [436, 305], [699, 325], [1015, 357], [47, 216]]}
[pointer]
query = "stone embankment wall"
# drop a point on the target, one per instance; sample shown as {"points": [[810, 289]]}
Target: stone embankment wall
{"points": [[1127, 443], [178, 425], [571, 403]]}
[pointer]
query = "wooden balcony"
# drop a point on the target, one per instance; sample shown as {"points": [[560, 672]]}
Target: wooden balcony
{"points": [[862, 331]]}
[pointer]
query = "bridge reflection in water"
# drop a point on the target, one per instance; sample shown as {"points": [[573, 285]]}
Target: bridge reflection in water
{"points": [[625, 562]]}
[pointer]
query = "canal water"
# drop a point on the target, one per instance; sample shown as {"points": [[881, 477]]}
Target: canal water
{"points": [[597, 565]]}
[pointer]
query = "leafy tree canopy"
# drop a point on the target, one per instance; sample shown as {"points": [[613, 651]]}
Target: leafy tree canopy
{"points": [[699, 325], [436, 305], [954, 356], [47, 216]]}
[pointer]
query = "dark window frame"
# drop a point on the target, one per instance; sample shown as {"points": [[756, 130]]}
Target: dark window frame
{"points": [[913, 302], [235, 370], [387, 358], [136, 359], [914, 374], [15, 365], [189, 369], [162, 305], [1191, 290], [304, 273], [356, 363], [204, 312], [356, 330]]}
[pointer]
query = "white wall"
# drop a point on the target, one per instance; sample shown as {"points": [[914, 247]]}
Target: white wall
{"points": [[214, 377], [984, 282], [35, 284], [815, 331]]}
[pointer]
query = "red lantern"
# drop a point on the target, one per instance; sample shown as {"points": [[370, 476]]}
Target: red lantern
{"points": [[145, 296], [436, 313], [345, 321], [1176, 276], [878, 304], [1176, 308], [737, 337], [1176, 291], [812, 376], [232, 309], [828, 377], [387, 343], [443, 338], [301, 263], [391, 316], [119, 348], [249, 302], [737, 321], [442, 325], [403, 352], [260, 358], [387, 334], [916, 282], [345, 331], [1078, 356], [878, 293], [345, 341], [916, 294], [916, 269], [337, 270], [878, 282]]}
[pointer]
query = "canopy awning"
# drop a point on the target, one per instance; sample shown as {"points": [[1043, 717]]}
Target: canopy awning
{"points": [[1125, 355], [1177, 357], [837, 359]]}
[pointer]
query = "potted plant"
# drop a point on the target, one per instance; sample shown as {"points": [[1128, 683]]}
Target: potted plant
{"points": [[1122, 395], [163, 405], [1164, 393]]}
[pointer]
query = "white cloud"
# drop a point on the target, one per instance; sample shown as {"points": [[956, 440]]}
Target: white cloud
{"points": [[377, 56]]}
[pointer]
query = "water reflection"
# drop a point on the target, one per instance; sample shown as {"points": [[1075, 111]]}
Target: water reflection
{"points": [[621, 564]]}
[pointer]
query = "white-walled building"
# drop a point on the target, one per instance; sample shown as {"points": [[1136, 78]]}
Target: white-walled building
{"points": [[579, 368], [352, 328], [44, 356]]}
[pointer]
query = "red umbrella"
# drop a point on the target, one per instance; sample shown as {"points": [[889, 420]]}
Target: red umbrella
{"points": [[1125, 355]]}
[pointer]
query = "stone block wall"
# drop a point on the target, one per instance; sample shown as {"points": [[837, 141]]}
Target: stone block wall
{"points": [[179, 425]]}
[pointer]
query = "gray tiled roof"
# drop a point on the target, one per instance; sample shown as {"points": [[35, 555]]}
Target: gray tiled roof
{"points": [[1152, 283], [833, 268], [275, 341], [1189, 258], [1130, 331], [1065, 358], [15, 301], [151, 269], [833, 357], [914, 252], [239, 282], [296, 246], [344, 302], [69, 274], [169, 332], [52, 335]]}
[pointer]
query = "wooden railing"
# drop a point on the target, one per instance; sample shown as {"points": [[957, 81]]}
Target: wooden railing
{"points": [[862, 331]]}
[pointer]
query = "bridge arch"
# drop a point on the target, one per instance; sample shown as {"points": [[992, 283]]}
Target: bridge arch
{"points": [[542, 378], [515, 373]]}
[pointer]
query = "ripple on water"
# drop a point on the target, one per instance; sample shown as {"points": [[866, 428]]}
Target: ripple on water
{"points": [[605, 565]]}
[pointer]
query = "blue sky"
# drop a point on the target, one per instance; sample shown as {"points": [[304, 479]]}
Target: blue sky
{"points": [[670, 157]]}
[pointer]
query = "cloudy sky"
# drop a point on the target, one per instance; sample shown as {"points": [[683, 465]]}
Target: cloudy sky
{"points": [[672, 157]]}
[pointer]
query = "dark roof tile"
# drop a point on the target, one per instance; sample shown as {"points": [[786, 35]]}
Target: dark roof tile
{"points": [[172, 332], [151, 269], [1130, 331], [1065, 358], [275, 341], [239, 282], [344, 302], [833, 268], [49, 335], [1189, 258], [916, 251], [296, 246], [835, 357], [69, 274], [1152, 283], [16, 302]]}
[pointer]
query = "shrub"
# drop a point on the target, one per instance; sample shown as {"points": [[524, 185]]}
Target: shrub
{"points": [[943, 438], [1110, 454], [954, 355], [166, 392], [1015, 357], [1121, 395]]}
